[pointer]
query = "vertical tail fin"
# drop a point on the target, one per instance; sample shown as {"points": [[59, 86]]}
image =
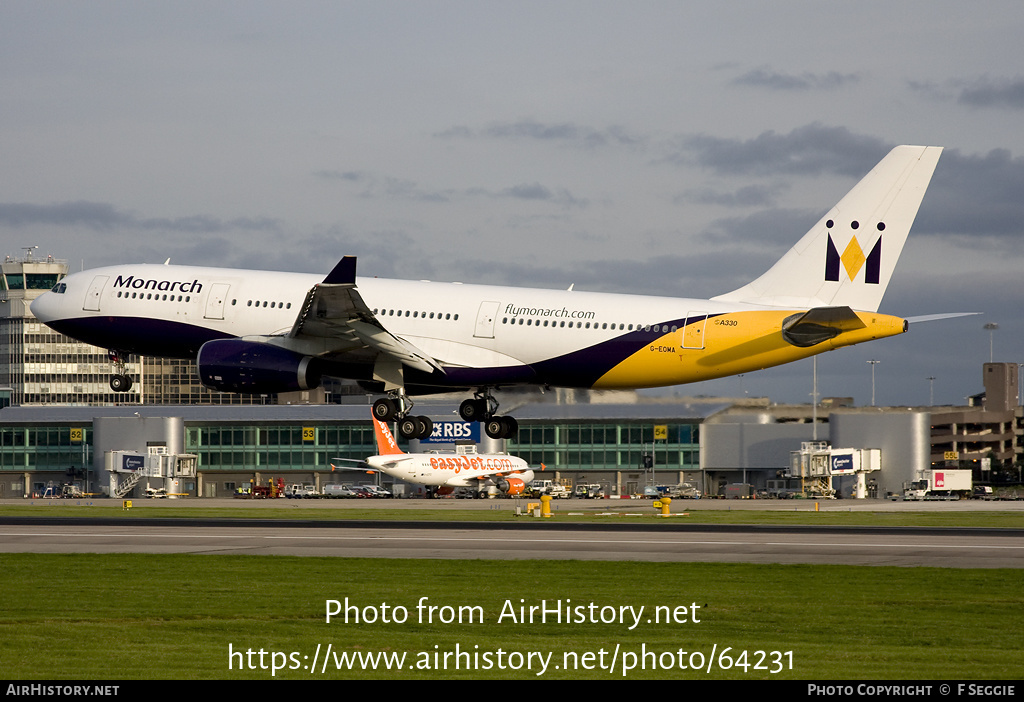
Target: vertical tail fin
{"points": [[848, 257], [386, 444]]}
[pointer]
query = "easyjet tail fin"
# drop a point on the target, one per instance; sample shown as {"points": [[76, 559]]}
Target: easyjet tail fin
{"points": [[386, 444], [847, 258]]}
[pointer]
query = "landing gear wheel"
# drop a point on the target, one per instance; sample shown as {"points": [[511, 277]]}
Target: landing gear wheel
{"points": [[473, 410], [407, 427], [425, 427], [501, 427], [120, 383], [384, 410], [415, 427], [512, 426]]}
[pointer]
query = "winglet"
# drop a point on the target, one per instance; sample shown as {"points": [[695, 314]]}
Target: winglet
{"points": [[343, 273], [386, 444]]}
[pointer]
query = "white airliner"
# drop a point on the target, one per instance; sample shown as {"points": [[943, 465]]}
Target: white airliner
{"points": [[267, 332], [462, 468]]}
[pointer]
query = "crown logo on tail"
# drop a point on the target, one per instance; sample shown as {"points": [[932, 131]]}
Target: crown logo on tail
{"points": [[853, 260]]}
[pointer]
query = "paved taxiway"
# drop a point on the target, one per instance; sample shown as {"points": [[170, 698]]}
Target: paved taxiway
{"points": [[530, 539], [755, 545]]}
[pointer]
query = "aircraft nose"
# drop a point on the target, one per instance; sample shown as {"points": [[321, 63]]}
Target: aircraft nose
{"points": [[44, 307]]}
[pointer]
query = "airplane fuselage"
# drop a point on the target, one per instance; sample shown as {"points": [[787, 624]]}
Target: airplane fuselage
{"points": [[452, 470], [481, 335]]}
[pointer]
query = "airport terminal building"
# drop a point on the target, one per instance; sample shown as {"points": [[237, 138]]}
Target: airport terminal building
{"points": [[42, 448], [212, 451]]}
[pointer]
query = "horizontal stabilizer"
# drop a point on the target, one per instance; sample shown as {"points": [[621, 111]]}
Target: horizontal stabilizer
{"points": [[357, 464], [819, 324], [935, 317]]}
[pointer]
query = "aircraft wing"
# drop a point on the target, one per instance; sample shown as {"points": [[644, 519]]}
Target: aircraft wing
{"points": [[335, 310]]}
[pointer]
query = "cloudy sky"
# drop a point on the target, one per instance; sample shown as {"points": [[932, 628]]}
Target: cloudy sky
{"points": [[674, 148]]}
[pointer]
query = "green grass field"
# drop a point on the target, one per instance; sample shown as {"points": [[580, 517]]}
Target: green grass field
{"points": [[175, 616]]}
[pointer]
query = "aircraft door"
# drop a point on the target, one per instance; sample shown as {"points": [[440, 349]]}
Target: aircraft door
{"points": [[215, 302], [92, 296], [485, 319], [693, 332]]}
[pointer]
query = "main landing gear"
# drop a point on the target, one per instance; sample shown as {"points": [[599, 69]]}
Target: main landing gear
{"points": [[120, 381], [482, 409], [398, 406]]}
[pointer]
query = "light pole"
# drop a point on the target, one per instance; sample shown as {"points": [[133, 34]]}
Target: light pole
{"points": [[814, 401], [931, 390], [991, 327], [873, 363]]}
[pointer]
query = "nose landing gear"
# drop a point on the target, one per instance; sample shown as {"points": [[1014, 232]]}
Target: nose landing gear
{"points": [[120, 381]]}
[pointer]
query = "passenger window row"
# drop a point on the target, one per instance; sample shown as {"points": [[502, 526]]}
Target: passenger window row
{"points": [[266, 303], [657, 328], [150, 296], [415, 314]]}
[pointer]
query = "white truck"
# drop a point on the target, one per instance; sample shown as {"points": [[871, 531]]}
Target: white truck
{"points": [[939, 484], [550, 487]]}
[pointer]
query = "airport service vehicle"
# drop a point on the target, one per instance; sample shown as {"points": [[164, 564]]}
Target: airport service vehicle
{"points": [[272, 332], [336, 490], [589, 491], [940, 484], [444, 471], [305, 490], [557, 490]]}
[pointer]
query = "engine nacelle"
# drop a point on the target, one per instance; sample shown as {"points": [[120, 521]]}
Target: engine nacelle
{"points": [[514, 484], [235, 365]]}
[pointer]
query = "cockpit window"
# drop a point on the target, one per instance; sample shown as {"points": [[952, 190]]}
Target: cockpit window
{"points": [[59, 288]]}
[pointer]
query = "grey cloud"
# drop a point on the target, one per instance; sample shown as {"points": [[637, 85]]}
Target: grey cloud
{"points": [[747, 196], [403, 189], [809, 150], [565, 132], [95, 215], [776, 80], [104, 217], [350, 176], [536, 191], [975, 196], [780, 228], [971, 196], [693, 275], [374, 186], [1005, 93]]}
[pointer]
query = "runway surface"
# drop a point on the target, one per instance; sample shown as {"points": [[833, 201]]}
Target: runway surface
{"points": [[854, 546]]}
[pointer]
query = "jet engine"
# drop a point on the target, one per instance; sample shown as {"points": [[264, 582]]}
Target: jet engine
{"points": [[235, 365], [512, 485]]}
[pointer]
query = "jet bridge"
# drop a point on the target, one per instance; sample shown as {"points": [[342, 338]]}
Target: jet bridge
{"points": [[157, 469], [816, 464]]}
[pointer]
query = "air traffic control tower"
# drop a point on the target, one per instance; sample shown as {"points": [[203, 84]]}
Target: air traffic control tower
{"points": [[37, 364]]}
